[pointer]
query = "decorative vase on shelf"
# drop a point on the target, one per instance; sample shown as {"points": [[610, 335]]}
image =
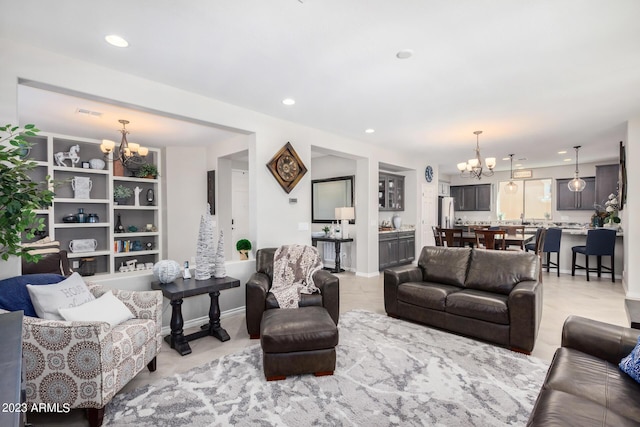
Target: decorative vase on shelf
{"points": [[397, 221]]}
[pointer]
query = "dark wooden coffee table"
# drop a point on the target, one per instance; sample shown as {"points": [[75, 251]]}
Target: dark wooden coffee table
{"points": [[179, 289]]}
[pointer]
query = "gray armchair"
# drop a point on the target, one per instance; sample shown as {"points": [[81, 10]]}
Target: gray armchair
{"points": [[259, 299]]}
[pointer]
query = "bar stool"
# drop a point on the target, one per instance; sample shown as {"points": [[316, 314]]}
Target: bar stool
{"points": [[600, 242], [437, 235], [551, 244]]}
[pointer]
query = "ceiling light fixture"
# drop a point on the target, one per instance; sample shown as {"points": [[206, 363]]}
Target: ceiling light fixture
{"points": [[577, 184], [369, 130], [117, 41], [288, 101], [562, 152], [129, 153], [473, 167], [511, 187]]}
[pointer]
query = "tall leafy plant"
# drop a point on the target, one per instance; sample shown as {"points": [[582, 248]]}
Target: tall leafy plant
{"points": [[20, 196]]}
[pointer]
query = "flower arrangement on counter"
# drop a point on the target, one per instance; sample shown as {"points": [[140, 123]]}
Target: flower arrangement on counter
{"points": [[612, 206]]}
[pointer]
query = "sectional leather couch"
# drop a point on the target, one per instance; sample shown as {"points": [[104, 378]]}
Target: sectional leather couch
{"points": [[492, 295], [584, 386]]}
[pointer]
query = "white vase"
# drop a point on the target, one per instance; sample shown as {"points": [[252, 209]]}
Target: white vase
{"points": [[397, 221]]}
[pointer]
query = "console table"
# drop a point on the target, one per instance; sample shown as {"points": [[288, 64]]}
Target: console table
{"points": [[179, 289], [338, 243]]}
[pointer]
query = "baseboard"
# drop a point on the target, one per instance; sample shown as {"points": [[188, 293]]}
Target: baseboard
{"points": [[367, 275], [199, 321]]}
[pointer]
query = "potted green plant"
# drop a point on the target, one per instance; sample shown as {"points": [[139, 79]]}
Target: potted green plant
{"points": [[20, 196], [147, 170], [243, 246], [326, 230], [121, 194]]}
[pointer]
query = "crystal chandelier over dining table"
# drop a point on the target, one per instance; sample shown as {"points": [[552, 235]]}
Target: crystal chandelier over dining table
{"points": [[473, 168]]}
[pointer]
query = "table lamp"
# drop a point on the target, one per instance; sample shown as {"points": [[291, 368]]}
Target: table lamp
{"points": [[345, 214]]}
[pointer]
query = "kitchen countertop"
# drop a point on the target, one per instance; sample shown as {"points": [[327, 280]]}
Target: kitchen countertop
{"points": [[401, 229]]}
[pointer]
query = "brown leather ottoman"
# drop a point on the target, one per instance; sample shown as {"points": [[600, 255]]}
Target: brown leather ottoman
{"points": [[298, 341]]}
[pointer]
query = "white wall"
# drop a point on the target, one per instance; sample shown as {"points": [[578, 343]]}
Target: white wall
{"points": [[274, 220], [631, 278]]}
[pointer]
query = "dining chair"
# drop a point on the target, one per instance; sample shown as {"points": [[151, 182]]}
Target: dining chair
{"points": [[492, 239], [515, 230], [450, 237], [437, 235], [600, 242]]}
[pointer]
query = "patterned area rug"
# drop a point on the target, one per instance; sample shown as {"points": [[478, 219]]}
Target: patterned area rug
{"points": [[389, 372]]}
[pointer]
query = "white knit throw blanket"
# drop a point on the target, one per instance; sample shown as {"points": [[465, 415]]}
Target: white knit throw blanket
{"points": [[293, 269]]}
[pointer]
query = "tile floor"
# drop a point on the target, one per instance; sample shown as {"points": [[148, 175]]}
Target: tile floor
{"points": [[598, 299]]}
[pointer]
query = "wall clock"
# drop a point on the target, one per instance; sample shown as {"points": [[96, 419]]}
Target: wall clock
{"points": [[287, 168], [428, 173]]}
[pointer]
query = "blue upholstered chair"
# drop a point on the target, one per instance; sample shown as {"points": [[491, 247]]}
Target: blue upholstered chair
{"points": [[551, 245], [600, 242]]}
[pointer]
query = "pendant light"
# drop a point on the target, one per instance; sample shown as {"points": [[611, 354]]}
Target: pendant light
{"points": [[473, 168], [577, 184], [511, 187]]}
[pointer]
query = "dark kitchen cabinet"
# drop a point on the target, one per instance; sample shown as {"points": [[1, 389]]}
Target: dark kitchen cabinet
{"points": [[390, 192], [471, 197], [396, 248], [606, 182], [569, 201]]}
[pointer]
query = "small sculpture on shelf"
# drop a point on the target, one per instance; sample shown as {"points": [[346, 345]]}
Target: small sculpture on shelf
{"points": [[72, 155], [137, 192]]}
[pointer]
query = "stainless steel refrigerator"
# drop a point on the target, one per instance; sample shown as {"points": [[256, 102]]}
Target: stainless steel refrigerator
{"points": [[446, 212]]}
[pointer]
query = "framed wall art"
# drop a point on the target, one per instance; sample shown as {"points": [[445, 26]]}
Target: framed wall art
{"points": [[287, 168]]}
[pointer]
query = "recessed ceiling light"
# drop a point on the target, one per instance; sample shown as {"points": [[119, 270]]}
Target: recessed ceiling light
{"points": [[116, 40], [518, 165], [288, 101], [562, 152], [369, 131], [506, 158], [404, 54], [567, 160]]}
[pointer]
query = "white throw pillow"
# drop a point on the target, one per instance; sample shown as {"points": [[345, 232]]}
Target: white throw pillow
{"points": [[106, 308], [47, 299]]}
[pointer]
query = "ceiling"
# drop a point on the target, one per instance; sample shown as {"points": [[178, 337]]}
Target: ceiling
{"points": [[536, 77]]}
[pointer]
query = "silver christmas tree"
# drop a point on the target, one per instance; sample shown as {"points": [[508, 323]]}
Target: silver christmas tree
{"points": [[220, 270], [205, 248]]}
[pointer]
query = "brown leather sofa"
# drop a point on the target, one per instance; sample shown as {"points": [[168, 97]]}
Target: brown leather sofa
{"points": [[259, 299], [584, 386], [492, 295]]}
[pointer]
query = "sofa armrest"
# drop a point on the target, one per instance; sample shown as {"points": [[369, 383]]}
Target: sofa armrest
{"points": [[602, 340], [394, 277], [256, 295], [525, 313], [329, 286], [78, 352]]}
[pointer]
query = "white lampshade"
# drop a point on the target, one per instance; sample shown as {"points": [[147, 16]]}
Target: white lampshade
{"points": [[143, 151], [134, 147], [473, 162], [462, 166], [491, 162], [347, 213], [107, 145]]}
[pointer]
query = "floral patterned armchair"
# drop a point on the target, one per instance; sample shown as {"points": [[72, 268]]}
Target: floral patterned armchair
{"points": [[84, 364]]}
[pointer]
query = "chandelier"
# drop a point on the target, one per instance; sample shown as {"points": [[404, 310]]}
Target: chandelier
{"points": [[473, 167], [577, 184], [128, 153], [511, 187]]}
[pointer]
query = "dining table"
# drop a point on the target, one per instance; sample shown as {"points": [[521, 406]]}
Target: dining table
{"points": [[469, 237]]}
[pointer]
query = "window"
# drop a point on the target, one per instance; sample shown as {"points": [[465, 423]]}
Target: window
{"points": [[531, 201]]}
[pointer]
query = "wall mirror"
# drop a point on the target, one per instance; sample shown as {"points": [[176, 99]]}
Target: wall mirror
{"points": [[328, 194]]}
